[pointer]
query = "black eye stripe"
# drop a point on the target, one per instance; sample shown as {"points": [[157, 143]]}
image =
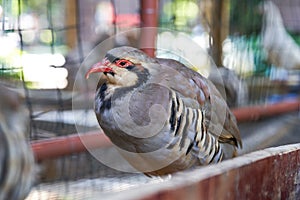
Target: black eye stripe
{"points": [[123, 63], [130, 67], [111, 58]]}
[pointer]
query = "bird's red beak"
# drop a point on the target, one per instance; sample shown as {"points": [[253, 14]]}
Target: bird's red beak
{"points": [[102, 66]]}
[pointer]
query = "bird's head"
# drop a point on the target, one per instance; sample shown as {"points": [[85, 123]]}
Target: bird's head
{"points": [[123, 66]]}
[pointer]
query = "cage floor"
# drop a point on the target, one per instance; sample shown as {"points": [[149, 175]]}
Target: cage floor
{"points": [[100, 188]]}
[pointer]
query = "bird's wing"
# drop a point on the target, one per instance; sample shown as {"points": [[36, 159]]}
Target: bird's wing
{"points": [[192, 86]]}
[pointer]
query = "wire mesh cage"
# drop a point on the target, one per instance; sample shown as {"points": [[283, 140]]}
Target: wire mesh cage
{"points": [[43, 44]]}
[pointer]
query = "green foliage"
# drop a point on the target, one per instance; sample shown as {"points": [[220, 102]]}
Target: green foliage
{"points": [[296, 37], [179, 14], [246, 56], [245, 18], [11, 73]]}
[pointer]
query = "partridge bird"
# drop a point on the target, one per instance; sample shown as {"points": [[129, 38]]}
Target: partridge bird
{"points": [[16, 158], [162, 116]]}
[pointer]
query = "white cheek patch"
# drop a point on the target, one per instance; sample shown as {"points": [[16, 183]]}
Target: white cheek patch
{"points": [[123, 78], [128, 79]]}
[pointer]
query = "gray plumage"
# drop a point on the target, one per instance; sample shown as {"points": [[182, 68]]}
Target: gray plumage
{"points": [[16, 158], [163, 116]]}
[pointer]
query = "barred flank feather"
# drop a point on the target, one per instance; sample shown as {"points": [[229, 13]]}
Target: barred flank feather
{"points": [[16, 158], [191, 129]]}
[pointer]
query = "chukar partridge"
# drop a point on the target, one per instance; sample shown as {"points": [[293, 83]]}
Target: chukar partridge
{"points": [[163, 116]]}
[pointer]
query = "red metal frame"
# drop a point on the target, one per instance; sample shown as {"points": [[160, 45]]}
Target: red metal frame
{"points": [[253, 113], [149, 17], [66, 145]]}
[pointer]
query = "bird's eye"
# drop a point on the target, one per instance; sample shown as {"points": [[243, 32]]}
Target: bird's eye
{"points": [[123, 63]]}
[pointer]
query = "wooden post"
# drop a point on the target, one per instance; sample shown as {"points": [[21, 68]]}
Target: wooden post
{"points": [[220, 10], [71, 34], [149, 14]]}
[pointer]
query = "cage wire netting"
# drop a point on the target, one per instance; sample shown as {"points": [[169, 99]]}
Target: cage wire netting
{"points": [[44, 43]]}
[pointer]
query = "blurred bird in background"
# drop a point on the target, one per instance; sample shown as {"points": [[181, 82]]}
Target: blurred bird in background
{"points": [[16, 158], [163, 116], [281, 49], [233, 89]]}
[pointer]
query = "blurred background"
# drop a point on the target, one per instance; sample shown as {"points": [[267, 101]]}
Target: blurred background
{"points": [[255, 46]]}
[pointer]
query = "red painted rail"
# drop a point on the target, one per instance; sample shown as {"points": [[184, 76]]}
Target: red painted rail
{"points": [[253, 113], [149, 20], [62, 146]]}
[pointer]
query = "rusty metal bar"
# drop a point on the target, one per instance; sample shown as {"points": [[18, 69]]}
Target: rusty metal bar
{"points": [[253, 113], [62, 146], [149, 20]]}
